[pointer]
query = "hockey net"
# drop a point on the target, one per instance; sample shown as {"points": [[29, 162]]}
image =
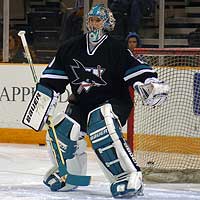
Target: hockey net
{"points": [[166, 139]]}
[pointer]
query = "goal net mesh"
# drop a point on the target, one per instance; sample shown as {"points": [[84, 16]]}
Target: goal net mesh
{"points": [[167, 138]]}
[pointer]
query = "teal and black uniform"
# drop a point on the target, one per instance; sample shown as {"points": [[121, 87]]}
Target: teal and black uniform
{"points": [[98, 75]]}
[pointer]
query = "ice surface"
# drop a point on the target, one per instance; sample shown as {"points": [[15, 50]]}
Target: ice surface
{"points": [[23, 166]]}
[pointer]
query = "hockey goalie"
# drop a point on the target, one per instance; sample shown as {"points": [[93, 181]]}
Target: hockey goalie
{"points": [[99, 70]]}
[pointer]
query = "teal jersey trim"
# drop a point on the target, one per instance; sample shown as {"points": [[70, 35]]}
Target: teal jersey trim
{"points": [[137, 68], [54, 72], [45, 90]]}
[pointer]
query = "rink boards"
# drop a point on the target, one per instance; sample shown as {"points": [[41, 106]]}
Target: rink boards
{"points": [[16, 89]]}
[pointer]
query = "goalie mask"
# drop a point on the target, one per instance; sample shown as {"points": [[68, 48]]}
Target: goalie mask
{"points": [[99, 20]]}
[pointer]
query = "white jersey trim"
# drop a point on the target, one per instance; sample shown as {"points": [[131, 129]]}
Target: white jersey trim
{"points": [[54, 76], [138, 73], [104, 37]]}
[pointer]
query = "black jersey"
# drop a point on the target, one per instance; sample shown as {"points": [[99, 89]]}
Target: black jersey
{"points": [[95, 75]]}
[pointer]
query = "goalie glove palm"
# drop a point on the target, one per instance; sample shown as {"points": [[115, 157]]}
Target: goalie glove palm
{"points": [[153, 92]]}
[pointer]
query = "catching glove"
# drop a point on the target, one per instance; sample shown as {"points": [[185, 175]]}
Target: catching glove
{"points": [[152, 92]]}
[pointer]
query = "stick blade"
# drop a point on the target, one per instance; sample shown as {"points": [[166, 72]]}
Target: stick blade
{"points": [[78, 180]]}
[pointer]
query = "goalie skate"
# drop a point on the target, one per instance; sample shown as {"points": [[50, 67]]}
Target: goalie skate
{"points": [[128, 187]]}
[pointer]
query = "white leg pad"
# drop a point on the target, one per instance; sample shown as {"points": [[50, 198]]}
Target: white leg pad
{"points": [[76, 164], [135, 181], [114, 155]]}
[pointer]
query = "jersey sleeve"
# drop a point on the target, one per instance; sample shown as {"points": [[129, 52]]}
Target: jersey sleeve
{"points": [[135, 69], [54, 76]]}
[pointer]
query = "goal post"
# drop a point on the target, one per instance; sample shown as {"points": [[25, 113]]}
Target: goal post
{"points": [[167, 138]]}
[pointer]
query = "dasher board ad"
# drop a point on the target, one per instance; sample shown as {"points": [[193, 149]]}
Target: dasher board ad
{"points": [[16, 89]]}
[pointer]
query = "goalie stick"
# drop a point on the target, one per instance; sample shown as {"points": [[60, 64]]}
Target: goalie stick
{"points": [[68, 178]]}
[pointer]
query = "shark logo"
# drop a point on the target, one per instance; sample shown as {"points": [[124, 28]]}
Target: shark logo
{"points": [[87, 77]]}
